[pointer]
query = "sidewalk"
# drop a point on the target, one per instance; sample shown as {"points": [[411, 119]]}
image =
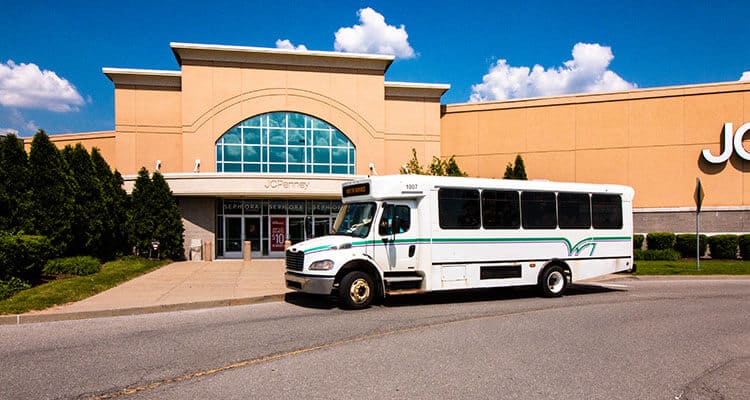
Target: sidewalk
{"points": [[177, 286]]}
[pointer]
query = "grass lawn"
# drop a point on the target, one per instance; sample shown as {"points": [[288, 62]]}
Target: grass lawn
{"points": [[77, 288], [687, 267]]}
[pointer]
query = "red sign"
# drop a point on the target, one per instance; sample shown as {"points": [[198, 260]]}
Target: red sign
{"points": [[278, 233]]}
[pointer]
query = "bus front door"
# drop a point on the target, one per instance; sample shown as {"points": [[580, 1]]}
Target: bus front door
{"points": [[396, 236]]}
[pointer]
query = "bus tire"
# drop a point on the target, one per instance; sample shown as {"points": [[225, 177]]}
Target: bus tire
{"points": [[356, 290], [553, 281]]}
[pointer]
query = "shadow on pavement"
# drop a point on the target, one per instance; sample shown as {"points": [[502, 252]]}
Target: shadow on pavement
{"points": [[447, 297], [311, 301]]}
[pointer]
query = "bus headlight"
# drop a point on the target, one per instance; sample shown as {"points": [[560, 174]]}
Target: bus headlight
{"points": [[322, 265]]}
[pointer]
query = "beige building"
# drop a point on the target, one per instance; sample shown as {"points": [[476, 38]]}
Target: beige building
{"points": [[256, 141]]}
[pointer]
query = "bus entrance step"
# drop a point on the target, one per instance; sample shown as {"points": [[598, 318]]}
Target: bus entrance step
{"points": [[403, 283]]}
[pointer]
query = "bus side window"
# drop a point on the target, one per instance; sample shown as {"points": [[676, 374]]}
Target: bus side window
{"points": [[391, 213]]}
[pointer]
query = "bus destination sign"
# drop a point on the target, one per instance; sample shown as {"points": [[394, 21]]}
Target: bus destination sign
{"points": [[360, 189]]}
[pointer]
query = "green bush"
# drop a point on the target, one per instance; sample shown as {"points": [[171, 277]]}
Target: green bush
{"points": [[723, 246], [656, 255], [745, 247], [23, 256], [660, 241], [81, 265], [685, 244], [638, 242], [12, 286]]}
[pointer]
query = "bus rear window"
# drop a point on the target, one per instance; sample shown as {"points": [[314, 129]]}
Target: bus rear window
{"points": [[606, 210]]}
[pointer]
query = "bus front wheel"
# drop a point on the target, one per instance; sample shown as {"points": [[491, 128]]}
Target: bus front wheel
{"points": [[356, 290], [553, 281]]}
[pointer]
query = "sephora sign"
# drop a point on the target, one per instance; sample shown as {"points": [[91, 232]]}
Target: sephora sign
{"points": [[730, 143]]}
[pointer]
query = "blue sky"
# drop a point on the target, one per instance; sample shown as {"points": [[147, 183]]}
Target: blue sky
{"points": [[52, 52]]}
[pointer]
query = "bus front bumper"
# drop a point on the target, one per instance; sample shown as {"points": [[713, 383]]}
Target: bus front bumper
{"points": [[309, 283]]}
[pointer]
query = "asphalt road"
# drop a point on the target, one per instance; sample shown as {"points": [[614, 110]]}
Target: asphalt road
{"points": [[625, 339]]}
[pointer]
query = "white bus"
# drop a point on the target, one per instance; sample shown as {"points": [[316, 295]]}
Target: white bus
{"points": [[414, 233]]}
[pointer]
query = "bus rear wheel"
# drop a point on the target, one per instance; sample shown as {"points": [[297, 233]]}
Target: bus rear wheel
{"points": [[553, 281], [356, 290]]}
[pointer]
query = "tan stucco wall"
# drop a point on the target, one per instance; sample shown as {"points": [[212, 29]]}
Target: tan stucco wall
{"points": [[104, 141], [648, 139]]}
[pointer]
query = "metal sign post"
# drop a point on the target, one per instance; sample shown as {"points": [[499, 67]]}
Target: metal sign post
{"points": [[699, 195]]}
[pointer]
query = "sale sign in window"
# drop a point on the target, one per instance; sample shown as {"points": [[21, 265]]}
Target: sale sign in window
{"points": [[278, 233]]}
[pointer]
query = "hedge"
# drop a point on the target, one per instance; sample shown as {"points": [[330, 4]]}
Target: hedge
{"points": [[23, 256], [81, 265], [660, 241], [656, 255], [12, 286], [638, 242], [723, 246], [745, 247], [685, 244]]}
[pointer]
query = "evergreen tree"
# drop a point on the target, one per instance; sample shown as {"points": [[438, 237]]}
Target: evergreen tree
{"points": [[14, 195], [508, 171], [169, 230], [141, 222], [519, 170], [88, 209], [52, 193], [114, 201]]}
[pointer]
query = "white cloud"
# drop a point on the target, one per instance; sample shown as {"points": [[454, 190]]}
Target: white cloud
{"points": [[26, 86], [287, 44], [586, 72], [745, 76], [373, 35]]}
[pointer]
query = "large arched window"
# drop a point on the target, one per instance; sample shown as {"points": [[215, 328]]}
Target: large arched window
{"points": [[285, 142]]}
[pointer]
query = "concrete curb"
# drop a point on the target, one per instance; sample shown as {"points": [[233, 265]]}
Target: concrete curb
{"points": [[36, 318]]}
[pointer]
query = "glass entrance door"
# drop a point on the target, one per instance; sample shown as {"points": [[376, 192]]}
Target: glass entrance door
{"points": [[253, 233], [233, 237]]}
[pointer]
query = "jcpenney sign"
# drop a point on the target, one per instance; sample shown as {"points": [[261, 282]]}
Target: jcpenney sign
{"points": [[730, 144]]}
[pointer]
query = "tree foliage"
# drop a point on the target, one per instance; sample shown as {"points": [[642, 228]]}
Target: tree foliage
{"points": [[52, 193], [115, 205], [517, 170], [155, 216], [14, 187], [88, 209], [437, 167]]}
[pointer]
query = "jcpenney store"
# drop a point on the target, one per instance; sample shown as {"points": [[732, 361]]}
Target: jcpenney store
{"points": [[256, 142]]}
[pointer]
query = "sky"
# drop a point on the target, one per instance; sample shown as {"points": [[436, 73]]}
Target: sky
{"points": [[52, 52]]}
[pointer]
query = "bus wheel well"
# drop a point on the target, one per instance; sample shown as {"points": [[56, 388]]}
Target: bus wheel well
{"points": [[562, 264], [363, 266]]}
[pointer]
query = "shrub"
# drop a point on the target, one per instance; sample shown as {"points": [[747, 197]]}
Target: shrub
{"points": [[656, 255], [660, 241], [745, 247], [638, 242], [723, 246], [12, 286], [23, 256], [81, 265], [685, 244]]}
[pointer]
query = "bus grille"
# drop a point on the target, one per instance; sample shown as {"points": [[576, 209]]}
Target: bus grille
{"points": [[295, 260]]}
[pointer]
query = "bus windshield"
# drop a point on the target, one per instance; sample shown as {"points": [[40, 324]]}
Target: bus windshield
{"points": [[354, 219]]}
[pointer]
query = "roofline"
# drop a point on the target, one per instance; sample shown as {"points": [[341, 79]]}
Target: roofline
{"points": [[578, 98], [285, 57], [415, 90], [144, 77]]}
